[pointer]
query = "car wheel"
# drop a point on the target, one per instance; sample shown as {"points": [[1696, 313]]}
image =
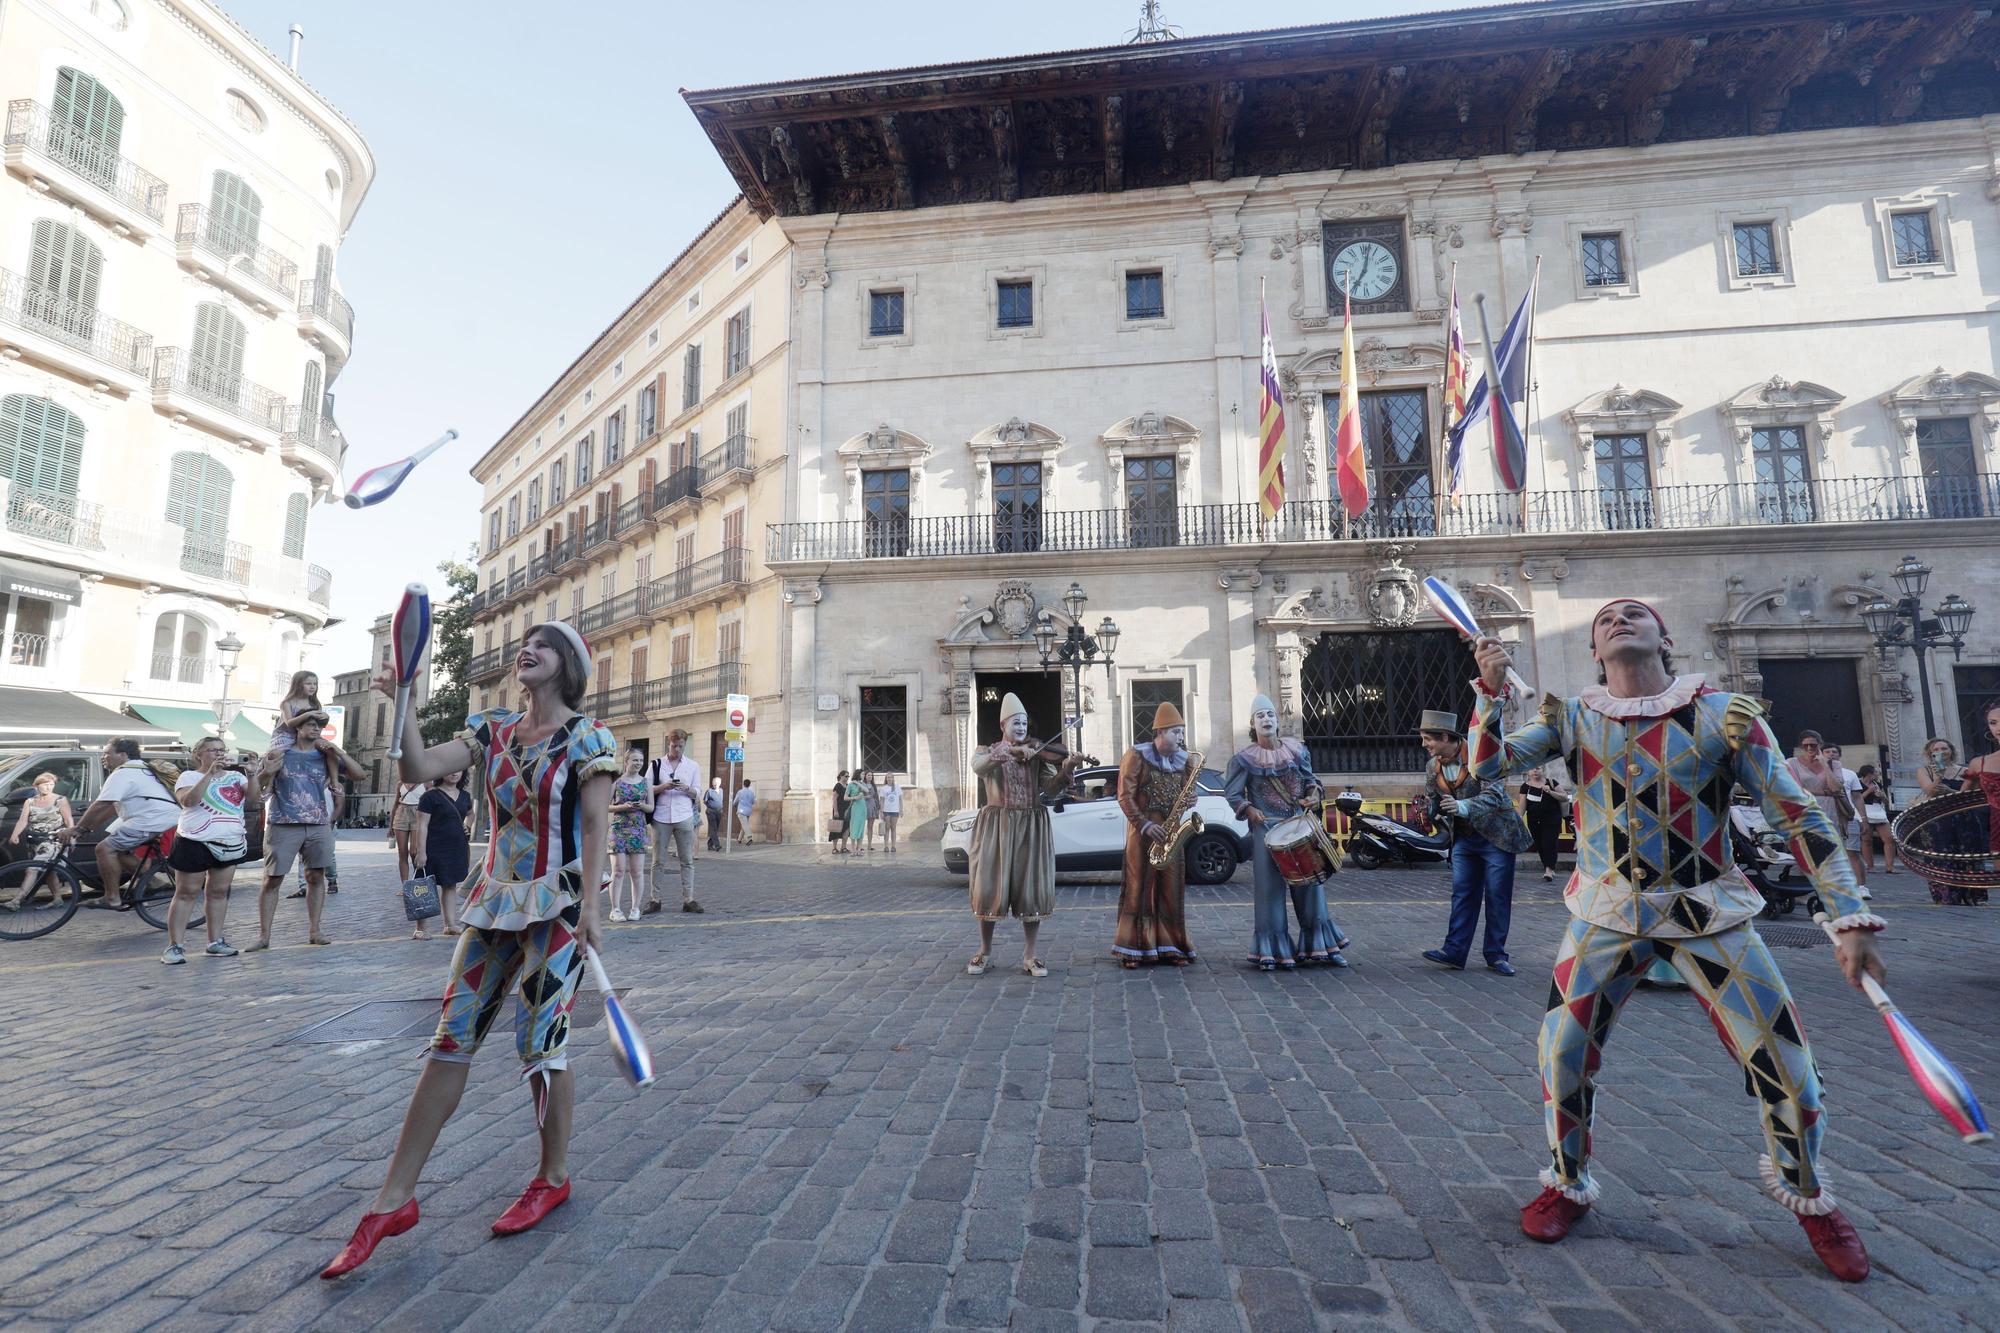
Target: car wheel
{"points": [[1363, 857], [1211, 859]]}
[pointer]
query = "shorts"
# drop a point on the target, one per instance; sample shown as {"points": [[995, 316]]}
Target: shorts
{"points": [[119, 838], [545, 958], [404, 820], [1850, 838], [199, 857], [283, 843]]}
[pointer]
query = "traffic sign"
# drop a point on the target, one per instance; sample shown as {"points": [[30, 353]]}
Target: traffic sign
{"points": [[732, 754], [736, 716], [336, 723]]}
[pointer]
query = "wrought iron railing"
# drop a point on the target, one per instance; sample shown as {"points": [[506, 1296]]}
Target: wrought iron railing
{"points": [[201, 228], [305, 429], [215, 558], [74, 324], [676, 689], [319, 298], [175, 370], [732, 455], [725, 567], [634, 511], [492, 662], [1718, 505], [51, 516], [188, 670], [681, 484], [594, 533], [27, 650], [34, 127]]}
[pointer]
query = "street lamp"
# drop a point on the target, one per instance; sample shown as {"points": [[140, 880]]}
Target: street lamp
{"points": [[1903, 624], [1075, 651], [228, 648]]}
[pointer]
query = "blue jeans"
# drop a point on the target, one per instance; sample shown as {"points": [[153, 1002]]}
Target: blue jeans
{"points": [[1480, 872]]}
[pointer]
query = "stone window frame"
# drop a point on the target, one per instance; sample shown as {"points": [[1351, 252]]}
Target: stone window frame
{"points": [[1036, 274], [1938, 204], [906, 283], [1016, 440], [1622, 411], [1941, 394], [1626, 228], [1779, 402], [1152, 434], [1165, 266], [912, 685], [883, 449], [1779, 220]]}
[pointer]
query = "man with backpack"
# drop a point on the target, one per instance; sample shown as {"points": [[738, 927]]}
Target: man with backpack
{"points": [[144, 807], [676, 787]]}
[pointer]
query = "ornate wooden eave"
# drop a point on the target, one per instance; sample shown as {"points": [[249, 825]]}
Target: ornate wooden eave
{"points": [[1565, 74]]}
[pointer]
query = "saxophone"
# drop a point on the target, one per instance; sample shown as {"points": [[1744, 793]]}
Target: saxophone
{"points": [[1181, 823]]}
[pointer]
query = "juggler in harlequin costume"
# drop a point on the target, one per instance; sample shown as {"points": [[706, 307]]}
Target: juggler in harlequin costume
{"points": [[1653, 756]]}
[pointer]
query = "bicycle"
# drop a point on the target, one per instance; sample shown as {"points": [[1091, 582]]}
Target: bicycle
{"points": [[38, 896]]}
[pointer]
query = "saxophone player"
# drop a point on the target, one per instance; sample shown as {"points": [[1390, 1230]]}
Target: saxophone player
{"points": [[1156, 792]]}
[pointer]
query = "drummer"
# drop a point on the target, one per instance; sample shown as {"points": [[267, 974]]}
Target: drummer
{"points": [[1271, 781], [1487, 833]]}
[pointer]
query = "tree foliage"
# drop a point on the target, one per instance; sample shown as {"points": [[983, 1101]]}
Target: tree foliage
{"points": [[451, 655]]}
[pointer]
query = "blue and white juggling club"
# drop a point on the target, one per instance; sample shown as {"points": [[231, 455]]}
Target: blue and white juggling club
{"points": [[1451, 604], [379, 483], [628, 1048]]}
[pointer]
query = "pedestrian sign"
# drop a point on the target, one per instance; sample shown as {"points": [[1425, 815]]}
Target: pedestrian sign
{"points": [[732, 754], [736, 716]]}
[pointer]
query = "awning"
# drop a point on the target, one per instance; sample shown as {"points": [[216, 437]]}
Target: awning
{"points": [[250, 733], [57, 715], [197, 724], [43, 581]]}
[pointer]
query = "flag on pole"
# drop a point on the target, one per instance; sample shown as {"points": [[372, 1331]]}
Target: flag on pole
{"points": [[1454, 392], [1510, 446], [1271, 423], [1350, 460], [1513, 354]]}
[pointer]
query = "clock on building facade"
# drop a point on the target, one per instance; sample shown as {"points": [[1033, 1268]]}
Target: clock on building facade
{"points": [[1367, 261]]}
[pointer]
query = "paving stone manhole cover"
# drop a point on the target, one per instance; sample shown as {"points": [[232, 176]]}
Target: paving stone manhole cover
{"points": [[1788, 935], [381, 1020]]}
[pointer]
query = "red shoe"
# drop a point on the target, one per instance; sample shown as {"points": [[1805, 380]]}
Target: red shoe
{"points": [[372, 1231], [1837, 1244], [1550, 1215], [536, 1202]]}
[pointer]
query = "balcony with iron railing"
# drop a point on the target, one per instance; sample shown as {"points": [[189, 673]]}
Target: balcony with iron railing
{"points": [[327, 321], [593, 534], [681, 484], [675, 690], [492, 663], [234, 258], [727, 462], [215, 398], [612, 613], [81, 340], [50, 516], [725, 569], [309, 442], [1662, 508], [180, 668], [636, 517], [48, 149]]}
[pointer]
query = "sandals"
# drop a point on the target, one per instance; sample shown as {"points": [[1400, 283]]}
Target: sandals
{"points": [[977, 967], [1032, 967]]}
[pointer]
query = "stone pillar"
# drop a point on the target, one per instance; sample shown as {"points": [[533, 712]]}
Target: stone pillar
{"points": [[1240, 677], [799, 816], [1234, 365]]}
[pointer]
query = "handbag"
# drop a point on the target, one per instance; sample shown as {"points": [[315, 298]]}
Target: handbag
{"points": [[420, 898], [1875, 814]]}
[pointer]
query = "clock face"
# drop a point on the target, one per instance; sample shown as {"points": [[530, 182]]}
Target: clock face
{"points": [[1365, 270]]}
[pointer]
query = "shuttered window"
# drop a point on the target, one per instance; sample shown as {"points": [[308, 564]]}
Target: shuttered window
{"points": [[235, 213], [309, 395], [41, 445], [219, 341], [95, 122], [198, 491], [323, 273], [295, 527], [64, 264]]}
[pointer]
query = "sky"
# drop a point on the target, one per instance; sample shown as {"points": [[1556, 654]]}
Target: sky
{"points": [[535, 169]]}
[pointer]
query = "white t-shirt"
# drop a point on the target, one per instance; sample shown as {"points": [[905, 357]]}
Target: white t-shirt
{"points": [[217, 818], [892, 798], [414, 794], [142, 800]]}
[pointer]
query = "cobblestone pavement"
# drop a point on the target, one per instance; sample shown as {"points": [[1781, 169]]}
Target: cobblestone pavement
{"points": [[849, 1131]]}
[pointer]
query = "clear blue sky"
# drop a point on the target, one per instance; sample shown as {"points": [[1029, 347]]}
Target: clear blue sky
{"points": [[536, 167]]}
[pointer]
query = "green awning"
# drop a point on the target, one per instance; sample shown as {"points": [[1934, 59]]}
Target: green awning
{"points": [[196, 724]]}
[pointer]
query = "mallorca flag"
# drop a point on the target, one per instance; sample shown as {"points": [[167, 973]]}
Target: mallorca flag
{"points": [[1271, 427], [1454, 392], [1350, 460], [1510, 445]]}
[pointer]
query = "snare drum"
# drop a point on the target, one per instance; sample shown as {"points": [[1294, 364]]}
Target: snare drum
{"points": [[1296, 847]]}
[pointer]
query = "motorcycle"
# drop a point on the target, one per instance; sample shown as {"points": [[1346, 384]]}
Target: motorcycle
{"points": [[1765, 859], [1375, 839]]}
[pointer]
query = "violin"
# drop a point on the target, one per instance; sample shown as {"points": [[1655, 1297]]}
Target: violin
{"points": [[1054, 750]]}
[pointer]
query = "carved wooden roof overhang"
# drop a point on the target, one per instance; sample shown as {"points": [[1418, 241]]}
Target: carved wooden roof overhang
{"points": [[1439, 86]]}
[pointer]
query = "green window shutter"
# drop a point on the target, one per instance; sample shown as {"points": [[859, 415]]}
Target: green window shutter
{"points": [[90, 109], [323, 271], [219, 341], [63, 262], [41, 445], [309, 396], [234, 212], [295, 527]]}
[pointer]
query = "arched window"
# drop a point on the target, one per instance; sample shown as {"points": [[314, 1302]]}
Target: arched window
{"points": [[217, 362], [198, 492], [64, 269], [234, 213], [89, 125], [295, 526], [41, 450], [180, 648]]}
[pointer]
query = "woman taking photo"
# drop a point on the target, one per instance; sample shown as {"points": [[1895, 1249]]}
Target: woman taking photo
{"points": [[1875, 816], [631, 836], [443, 843], [529, 915], [211, 842]]}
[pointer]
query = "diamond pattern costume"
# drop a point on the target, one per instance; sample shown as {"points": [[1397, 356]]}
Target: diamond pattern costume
{"points": [[1655, 881]]}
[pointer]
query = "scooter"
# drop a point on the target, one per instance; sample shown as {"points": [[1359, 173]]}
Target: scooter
{"points": [[1765, 859], [1375, 839]]}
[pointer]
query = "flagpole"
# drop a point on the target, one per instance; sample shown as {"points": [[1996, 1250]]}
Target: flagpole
{"points": [[1528, 380]]}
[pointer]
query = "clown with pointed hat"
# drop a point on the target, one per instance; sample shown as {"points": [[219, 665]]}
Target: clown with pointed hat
{"points": [[1152, 901], [1013, 854], [1269, 781]]}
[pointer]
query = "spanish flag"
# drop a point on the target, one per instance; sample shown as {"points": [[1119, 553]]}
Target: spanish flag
{"points": [[1271, 419], [1350, 460]]}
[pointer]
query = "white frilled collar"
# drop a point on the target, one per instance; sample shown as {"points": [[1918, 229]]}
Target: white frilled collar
{"points": [[1677, 695]]}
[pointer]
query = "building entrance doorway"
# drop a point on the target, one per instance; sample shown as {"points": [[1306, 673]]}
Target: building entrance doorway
{"points": [[1041, 694], [1820, 694]]}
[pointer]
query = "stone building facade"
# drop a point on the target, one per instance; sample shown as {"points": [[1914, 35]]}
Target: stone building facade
{"points": [[1025, 353], [174, 201]]}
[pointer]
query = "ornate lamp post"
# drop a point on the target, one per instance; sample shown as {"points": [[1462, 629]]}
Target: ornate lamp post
{"points": [[1075, 651], [1903, 624], [228, 648]]}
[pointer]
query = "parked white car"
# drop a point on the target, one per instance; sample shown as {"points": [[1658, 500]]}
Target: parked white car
{"points": [[1089, 830]]}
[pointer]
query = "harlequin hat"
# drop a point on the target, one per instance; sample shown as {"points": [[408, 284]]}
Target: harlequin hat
{"points": [[1012, 705], [1620, 601], [1439, 719], [575, 639], [1166, 715]]}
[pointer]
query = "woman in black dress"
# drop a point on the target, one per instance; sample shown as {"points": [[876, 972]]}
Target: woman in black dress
{"points": [[1543, 799], [441, 840], [836, 831]]}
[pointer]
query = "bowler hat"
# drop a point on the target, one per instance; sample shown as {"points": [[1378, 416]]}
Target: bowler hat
{"points": [[1438, 719]]}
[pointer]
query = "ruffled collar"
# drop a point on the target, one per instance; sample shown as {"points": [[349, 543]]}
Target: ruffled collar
{"points": [[1677, 695], [1152, 756]]}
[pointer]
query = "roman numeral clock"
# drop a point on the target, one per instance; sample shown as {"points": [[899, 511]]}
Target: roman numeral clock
{"points": [[1367, 260]]}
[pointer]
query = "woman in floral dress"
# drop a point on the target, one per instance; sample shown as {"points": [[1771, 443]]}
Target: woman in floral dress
{"points": [[528, 919], [631, 839]]}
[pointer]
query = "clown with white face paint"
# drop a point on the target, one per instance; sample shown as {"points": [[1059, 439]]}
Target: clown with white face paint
{"points": [[1269, 781], [1013, 854], [1152, 902]]}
